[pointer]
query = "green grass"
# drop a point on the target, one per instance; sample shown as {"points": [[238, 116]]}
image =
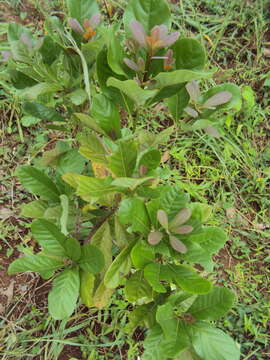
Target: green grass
{"points": [[231, 173]]}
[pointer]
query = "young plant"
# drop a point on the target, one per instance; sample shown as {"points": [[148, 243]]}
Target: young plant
{"points": [[132, 228]]}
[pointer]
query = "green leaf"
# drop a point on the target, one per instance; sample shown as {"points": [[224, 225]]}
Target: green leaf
{"points": [[28, 120], [179, 76], [141, 315], [63, 297], [131, 183], [178, 102], [154, 273], [15, 31], [104, 72], [42, 112], [39, 263], [92, 148], [211, 239], [211, 343], [188, 279], [189, 54], [102, 296], [35, 209], [132, 90], [175, 335], [49, 50], [213, 305], [70, 162], [64, 216], [55, 29], [182, 300], [249, 96], [148, 12], [90, 123], [115, 50], [73, 249], [107, 116], [122, 237], [198, 255], [152, 345], [142, 254], [78, 97], [123, 161], [92, 259], [82, 9], [102, 239], [150, 159], [51, 157], [37, 183], [49, 237], [119, 268], [91, 189], [87, 283], [133, 211], [138, 289], [234, 103], [32, 93], [173, 200]]}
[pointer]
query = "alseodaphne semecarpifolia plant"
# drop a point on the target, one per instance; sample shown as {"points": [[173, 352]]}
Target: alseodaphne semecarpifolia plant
{"points": [[115, 222]]}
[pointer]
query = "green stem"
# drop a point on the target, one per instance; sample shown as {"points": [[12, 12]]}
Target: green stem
{"points": [[135, 120]]}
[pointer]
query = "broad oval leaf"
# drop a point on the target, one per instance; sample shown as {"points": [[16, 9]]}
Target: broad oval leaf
{"points": [[173, 200], [42, 112], [163, 219], [93, 149], [137, 288], [102, 239], [188, 279], [82, 9], [183, 230], [49, 237], [63, 297], [123, 161], [35, 209], [155, 237], [39, 263], [234, 102], [106, 114], [142, 254], [213, 305], [212, 131], [193, 89], [150, 159], [132, 211], [148, 12], [119, 268], [102, 296], [178, 102], [177, 245], [87, 283], [211, 239], [189, 54], [73, 248], [37, 182], [179, 76], [92, 259], [132, 90], [211, 343], [180, 218], [155, 273], [218, 99]]}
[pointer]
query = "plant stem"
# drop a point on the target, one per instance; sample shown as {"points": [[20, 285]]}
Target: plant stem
{"points": [[103, 220], [135, 121]]}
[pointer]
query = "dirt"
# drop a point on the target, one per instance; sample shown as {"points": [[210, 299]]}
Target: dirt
{"points": [[70, 352]]}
